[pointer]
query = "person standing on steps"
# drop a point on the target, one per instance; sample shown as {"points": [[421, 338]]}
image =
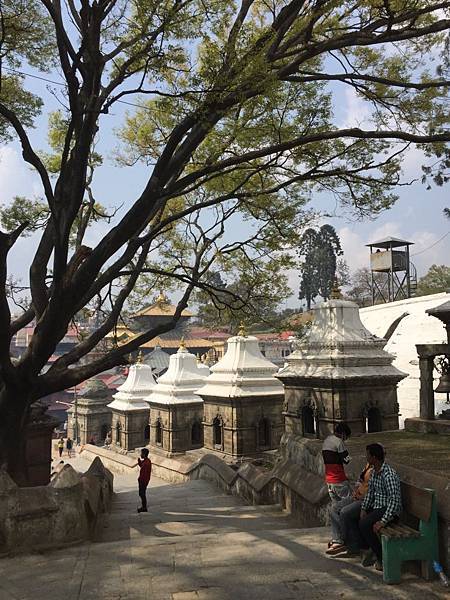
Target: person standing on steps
{"points": [[60, 446], [145, 473], [335, 455]]}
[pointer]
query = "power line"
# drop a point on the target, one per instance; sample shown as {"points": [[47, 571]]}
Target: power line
{"points": [[432, 245], [60, 83]]}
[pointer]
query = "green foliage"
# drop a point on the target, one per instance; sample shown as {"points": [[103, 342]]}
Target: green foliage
{"points": [[436, 280], [26, 37], [22, 210]]}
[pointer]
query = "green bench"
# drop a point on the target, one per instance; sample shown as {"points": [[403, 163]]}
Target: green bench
{"points": [[402, 542]]}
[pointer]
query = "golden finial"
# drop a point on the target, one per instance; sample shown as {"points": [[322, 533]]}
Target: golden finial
{"points": [[161, 299], [336, 291], [242, 330], [140, 358], [182, 344]]}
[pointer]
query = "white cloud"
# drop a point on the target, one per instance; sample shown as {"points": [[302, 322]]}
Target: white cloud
{"points": [[357, 111], [16, 179]]}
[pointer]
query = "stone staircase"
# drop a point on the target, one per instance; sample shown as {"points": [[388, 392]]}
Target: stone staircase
{"points": [[198, 543]]}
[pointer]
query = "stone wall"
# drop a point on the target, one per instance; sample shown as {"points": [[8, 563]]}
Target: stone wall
{"points": [[240, 418], [67, 510], [131, 433], [307, 455], [176, 425]]}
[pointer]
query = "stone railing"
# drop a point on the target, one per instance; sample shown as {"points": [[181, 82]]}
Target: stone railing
{"points": [[67, 510]]}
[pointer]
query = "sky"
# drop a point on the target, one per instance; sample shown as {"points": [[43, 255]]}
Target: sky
{"points": [[416, 217]]}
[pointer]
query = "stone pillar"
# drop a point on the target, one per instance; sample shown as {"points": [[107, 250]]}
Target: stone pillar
{"points": [[426, 366]]}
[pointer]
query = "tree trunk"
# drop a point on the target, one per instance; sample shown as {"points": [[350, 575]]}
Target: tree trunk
{"points": [[14, 410]]}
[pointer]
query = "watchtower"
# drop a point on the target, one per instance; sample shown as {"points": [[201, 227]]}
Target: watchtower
{"points": [[393, 276]]}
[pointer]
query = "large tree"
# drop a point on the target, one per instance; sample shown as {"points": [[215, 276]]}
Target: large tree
{"points": [[318, 251], [235, 123]]}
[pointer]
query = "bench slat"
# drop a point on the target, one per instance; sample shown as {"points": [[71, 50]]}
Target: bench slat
{"points": [[400, 530], [417, 501]]}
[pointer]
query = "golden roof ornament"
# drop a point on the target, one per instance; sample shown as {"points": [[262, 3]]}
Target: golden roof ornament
{"points": [[242, 330], [336, 291], [162, 298], [140, 358], [182, 344]]}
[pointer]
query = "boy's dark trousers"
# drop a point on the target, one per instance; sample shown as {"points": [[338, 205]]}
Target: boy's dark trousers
{"points": [[142, 494]]}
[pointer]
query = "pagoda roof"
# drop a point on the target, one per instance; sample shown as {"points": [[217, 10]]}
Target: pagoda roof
{"points": [[180, 381], [161, 308], [138, 385], [242, 372]]}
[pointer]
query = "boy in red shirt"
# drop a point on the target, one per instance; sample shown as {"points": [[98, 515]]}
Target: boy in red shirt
{"points": [[144, 478]]}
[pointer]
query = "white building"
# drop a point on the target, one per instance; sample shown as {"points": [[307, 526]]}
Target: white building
{"points": [[406, 324]]}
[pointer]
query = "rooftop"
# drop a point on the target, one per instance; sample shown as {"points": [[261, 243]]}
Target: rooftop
{"points": [[161, 308], [389, 242]]}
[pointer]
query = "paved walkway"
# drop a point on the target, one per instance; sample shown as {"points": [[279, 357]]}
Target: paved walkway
{"points": [[197, 543]]}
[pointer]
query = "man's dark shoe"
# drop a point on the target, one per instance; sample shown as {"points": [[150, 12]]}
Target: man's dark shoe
{"points": [[142, 510], [369, 558]]}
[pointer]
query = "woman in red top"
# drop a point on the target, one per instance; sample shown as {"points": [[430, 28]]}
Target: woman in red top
{"points": [[144, 478]]}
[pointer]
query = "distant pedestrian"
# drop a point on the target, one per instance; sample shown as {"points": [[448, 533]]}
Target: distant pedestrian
{"points": [[145, 473], [69, 446], [60, 446]]}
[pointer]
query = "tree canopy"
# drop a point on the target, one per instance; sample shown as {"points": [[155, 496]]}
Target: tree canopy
{"points": [[318, 250], [436, 280], [236, 123]]}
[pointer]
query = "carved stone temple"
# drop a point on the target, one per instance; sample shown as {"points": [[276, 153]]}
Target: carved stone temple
{"points": [[130, 411], [242, 401], [339, 372], [176, 411], [89, 418]]}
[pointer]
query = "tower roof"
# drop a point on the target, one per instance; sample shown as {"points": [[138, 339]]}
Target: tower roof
{"points": [[179, 382], [389, 242], [138, 385], [242, 372]]}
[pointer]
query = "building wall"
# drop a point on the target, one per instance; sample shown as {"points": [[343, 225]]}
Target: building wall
{"points": [[240, 419], [329, 405], [416, 328], [131, 433], [176, 426], [92, 424]]}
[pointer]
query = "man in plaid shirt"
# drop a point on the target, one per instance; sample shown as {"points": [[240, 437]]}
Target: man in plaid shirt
{"points": [[381, 505]]}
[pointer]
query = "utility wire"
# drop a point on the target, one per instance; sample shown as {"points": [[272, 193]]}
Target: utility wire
{"points": [[60, 83], [432, 245]]}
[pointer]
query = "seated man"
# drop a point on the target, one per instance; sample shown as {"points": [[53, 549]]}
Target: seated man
{"points": [[381, 505], [345, 518]]}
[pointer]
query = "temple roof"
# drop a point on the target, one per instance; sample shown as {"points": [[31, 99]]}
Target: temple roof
{"points": [[339, 347], [179, 382], [242, 372], [138, 385], [161, 308], [157, 359]]}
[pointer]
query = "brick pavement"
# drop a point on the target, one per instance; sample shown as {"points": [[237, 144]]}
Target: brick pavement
{"points": [[198, 543]]}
